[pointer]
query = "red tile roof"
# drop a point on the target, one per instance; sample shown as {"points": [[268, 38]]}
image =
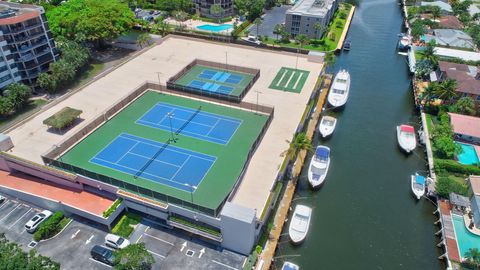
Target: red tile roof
{"points": [[460, 72], [465, 124], [20, 18], [450, 22]]}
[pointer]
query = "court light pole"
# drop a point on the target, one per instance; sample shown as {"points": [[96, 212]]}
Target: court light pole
{"points": [[170, 115], [258, 93], [159, 81], [192, 189], [226, 60]]}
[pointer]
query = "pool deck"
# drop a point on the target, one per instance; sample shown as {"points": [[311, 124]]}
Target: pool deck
{"points": [[451, 245]]}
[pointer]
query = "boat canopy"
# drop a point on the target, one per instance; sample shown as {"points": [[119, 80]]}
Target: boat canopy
{"points": [[322, 152], [407, 128], [420, 179]]}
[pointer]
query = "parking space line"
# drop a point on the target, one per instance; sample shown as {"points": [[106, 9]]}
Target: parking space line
{"points": [[91, 259], [138, 240], [4, 203], [146, 229], [20, 218], [159, 239], [222, 264], [161, 256], [4, 217]]}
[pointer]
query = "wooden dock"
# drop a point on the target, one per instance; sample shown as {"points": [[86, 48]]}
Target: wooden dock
{"points": [[281, 214]]}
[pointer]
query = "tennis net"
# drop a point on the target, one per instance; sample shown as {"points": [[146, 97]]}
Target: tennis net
{"points": [[179, 130]]}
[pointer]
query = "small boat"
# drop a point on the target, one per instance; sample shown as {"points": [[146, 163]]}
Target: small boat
{"points": [[421, 137], [290, 266], [404, 43], [338, 94], [319, 166], [347, 45], [406, 138], [299, 224], [327, 126], [418, 185]]}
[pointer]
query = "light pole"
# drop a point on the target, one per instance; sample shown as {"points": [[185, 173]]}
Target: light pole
{"points": [[170, 116], [258, 92], [192, 189], [159, 81], [226, 60]]}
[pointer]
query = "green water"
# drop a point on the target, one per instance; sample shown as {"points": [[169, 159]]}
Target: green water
{"points": [[365, 216]]}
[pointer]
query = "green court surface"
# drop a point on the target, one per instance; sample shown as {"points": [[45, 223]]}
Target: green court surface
{"points": [[216, 182], [290, 80], [196, 77]]}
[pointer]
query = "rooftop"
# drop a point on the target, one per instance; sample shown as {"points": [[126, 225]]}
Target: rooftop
{"points": [[450, 22], [475, 184], [452, 38], [464, 55], [444, 6], [466, 125], [313, 8], [466, 76], [13, 12]]}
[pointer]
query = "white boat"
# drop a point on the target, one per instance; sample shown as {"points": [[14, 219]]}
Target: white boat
{"points": [[418, 185], [290, 266], [299, 224], [406, 138], [327, 126], [319, 166], [338, 94]]}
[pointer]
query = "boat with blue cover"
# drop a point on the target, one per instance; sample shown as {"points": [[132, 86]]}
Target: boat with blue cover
{"points": [[319, 165], [418, 185]]}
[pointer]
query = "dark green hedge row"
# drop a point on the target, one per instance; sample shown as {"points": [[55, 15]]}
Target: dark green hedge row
{"points": [[455, 167]]}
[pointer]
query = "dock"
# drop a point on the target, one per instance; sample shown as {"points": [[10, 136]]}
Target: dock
{"points": [[266, 258], [448, 240]]}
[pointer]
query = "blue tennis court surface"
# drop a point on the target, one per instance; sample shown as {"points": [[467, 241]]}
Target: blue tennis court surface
{"points": [[162, 163], [211, 87], [220, 76], [190, 122]]}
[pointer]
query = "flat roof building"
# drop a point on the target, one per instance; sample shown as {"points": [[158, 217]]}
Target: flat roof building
{"points": [[310, 17]]}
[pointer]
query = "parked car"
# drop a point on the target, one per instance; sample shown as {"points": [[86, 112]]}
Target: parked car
{"points": [[2, 199], [32, 225], [252, 39], [115, 241], [102, 254]]}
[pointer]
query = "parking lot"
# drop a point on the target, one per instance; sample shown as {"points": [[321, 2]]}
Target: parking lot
{"points": [[13, 216]]}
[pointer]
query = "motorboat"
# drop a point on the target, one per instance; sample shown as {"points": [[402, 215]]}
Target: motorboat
{"points": [[319, 164], [406, 138], [338, 94], [347, 45], [299, 224], [404, 43], [418, 185], [327, 126], [290, 266]]}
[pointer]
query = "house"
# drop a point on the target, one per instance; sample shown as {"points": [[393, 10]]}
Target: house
{"points": [[444, 7], [466, 128], [474, 190], [304, 17], [451, 38], [467, 77], [203, 7], [450, 22], [461, 54]]}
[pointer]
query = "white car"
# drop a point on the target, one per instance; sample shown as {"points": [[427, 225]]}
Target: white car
{"points": [[32, 225], [252, 39], [115, 241]]}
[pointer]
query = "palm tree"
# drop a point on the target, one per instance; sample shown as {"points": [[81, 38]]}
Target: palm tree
{"points": [[436, 12], [473, 256], [447, 90], [319, 28], [329, 59], [429, 53], [216, 10], [429, 93], [277, 30], [257, 22], [300, 142], [301, 39], [465, 105], [143, 39]]}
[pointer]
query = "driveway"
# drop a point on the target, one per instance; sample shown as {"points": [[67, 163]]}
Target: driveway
{"points": [[272, 17]]}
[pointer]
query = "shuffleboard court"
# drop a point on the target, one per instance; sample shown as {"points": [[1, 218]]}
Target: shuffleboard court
{"points": [[162, 163], [212, 87], [189, 122], [289, 79]]}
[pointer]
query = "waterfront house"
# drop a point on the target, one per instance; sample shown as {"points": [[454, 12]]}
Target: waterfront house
{"points": [[467, 77], [444, 7], [466, 128], [450, 22], [306, 14], [474, 191], [459, 202], [451, 38]]}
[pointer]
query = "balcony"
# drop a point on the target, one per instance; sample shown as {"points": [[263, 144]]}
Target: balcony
{"points": [[195, 228]]}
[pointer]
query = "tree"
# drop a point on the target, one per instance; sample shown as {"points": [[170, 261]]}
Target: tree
{"points": [[279, 29], [174, 5], [330, 59], [418, 29], [429, 93], [257, 23], [133, 257], [143, 39], [429, 53], [250, 8], [465, 105], [442, 136], [161, 27], [217, 11], [302, 40], [300, 142], [473, 257], [319, 28], [96, 21], [18, 94], [447, 89], [436, 12], [474, 31], [423, 68]]}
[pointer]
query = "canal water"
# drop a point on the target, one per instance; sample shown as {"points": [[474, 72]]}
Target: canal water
{"points": [[365, 216]]}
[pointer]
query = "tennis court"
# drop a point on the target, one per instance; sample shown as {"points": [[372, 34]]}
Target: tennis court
{"points": [[190, 122], [216, 80], [290, 80], [160, 162]]}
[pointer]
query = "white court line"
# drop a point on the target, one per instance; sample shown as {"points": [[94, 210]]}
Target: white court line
{"points": [[126, 153], [161, 256], [159, 239], [92, 259], [181, 167], [213, 115], [212, 127], [222, 264], [155, 160], [4, 217], [19, 218]]}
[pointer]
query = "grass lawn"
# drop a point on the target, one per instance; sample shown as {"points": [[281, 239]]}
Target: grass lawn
{"points": [[429, 123], [126, 224], [31, 108], [330, 39]]}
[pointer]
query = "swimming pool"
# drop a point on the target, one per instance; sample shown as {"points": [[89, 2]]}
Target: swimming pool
{"points": [[468, 156], [215, 28], [465, 239]]}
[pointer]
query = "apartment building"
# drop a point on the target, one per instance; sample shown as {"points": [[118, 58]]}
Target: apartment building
{"points": [[305, 15], [27, 46], [203, 7]]}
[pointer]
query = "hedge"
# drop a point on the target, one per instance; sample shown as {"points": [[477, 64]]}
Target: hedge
{"points": [[455, 167], [112, 208], [212, 20], [445, 185], [49, 227], [240, 28], [124, 226], [196, 226], [62, 118]]}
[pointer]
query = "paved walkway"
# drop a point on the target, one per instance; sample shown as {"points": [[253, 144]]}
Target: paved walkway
{"points": [[80, 199], [448, 231]]}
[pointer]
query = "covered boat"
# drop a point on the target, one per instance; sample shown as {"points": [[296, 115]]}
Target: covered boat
{"points": [[406, 138], [404, 43], [418, 185], [290, 266], [339, 91], [319, 164], [299, 223], [327, 126]]}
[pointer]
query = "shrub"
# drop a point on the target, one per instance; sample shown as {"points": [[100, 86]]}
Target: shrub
{"points": [[124, 226], [455, 167], [342, 15], [49, 227], [112, 208], [240, 28], [445, 185], [338, 24], [332, 36]]}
